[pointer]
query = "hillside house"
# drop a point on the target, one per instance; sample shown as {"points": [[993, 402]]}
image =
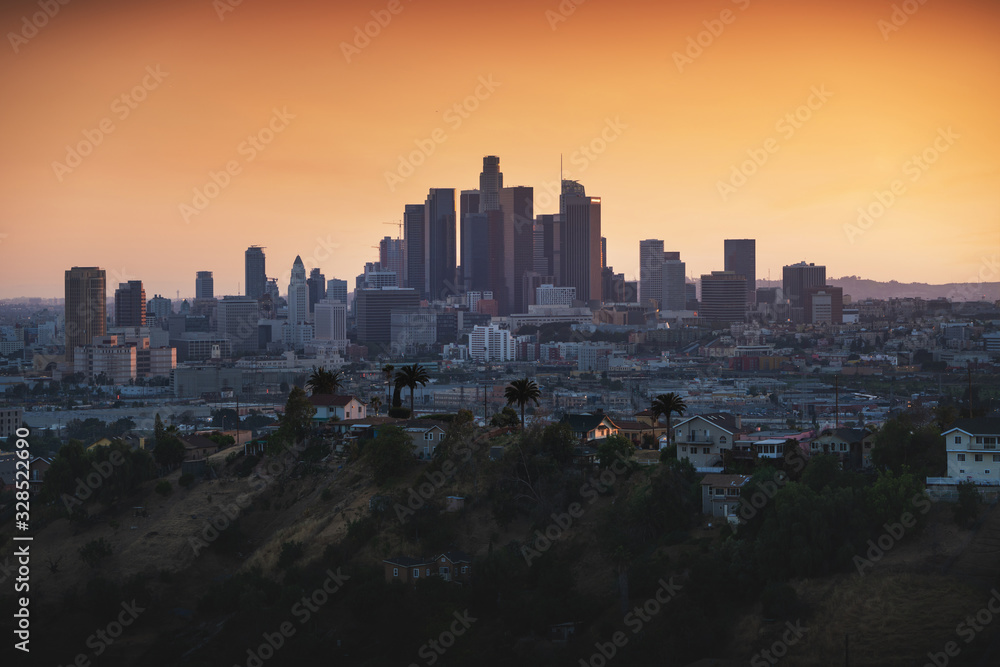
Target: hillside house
{"points": [[703, 438], [720, 494], [453, 566], [853, 446], [337, 406], [589, 427]]}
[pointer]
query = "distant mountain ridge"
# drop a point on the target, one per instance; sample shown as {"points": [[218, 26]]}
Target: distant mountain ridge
{"points": [[862, 288]]}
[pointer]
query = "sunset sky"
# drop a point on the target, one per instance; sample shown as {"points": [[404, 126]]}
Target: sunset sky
{"points": [[669, 135]]}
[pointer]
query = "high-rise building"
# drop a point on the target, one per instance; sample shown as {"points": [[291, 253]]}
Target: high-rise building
{"points": [[336, 290], [650, 273], [204, 285], [373, 308], [797, 278], [237, 320], [491, 343], [86, 307], [673, 295], [414, 230], [604, 252], [580, 238], [331, 320], [741, 259], [468, 206], [517, 205], [316, 284], [159, 307], [550, 295], [298, 294], [375, 277], [439, 243], [723, 297], [823, 305], [392, 258], [490, 184], [130, 304], [547, 245], [256, 276]]}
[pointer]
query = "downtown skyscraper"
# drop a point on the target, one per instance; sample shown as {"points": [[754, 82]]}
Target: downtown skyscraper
{"points": [[439, 243], [204, 285], [298, 294], [86, 308], [490, 184], [741, 259], [650, 273], [580, 239], [517, 205], [413, 239], [254, 269], [130, 304]]}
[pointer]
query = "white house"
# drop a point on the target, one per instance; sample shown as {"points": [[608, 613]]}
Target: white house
{"points": [[342, 407], [973, 456], [703, 438]]}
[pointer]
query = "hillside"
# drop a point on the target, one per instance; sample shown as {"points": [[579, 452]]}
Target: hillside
{"points": [[208, 608]]}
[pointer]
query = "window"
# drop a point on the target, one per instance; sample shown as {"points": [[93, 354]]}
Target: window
{"points": [[416, 572], [720, 492], [979, 458], [706, 450], [987, 472], [684, 450], [395, 571], [843, 446], [732, 492], [441, 436], [996, 458], [960, 457], [466, 569], [722, 439], [958, 440]]}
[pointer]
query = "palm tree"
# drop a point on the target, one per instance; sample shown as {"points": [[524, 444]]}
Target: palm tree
{"points": [[666, 405], [520, 392], [323, 381], [387, 371], [376, 403], [410, 376]]}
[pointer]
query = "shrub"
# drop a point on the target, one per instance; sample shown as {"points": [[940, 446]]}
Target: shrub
{"points": [[290, 552], [969, 501], [94, 551], [163, 488], [186, 480]]}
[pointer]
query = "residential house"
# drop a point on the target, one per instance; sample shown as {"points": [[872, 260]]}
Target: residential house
{"points": [[330, 406], [703, 438], [426, 435], [197, 447], [972, 450], [853, 446], [452, 565], [39, 466], [720, 494], [133, 440], [589, 427]]}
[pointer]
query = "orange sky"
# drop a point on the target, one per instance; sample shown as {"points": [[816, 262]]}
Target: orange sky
{"points": [[319, 189]]}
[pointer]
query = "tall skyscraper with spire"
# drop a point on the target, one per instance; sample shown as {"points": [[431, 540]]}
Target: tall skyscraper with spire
{"points": [[256, 278], [298, 294], [580, 239]]}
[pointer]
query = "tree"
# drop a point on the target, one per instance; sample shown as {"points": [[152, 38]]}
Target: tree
{"points": [[969, 501], [613, 447], [504, 418], [666, 405], [323, 381], [169, 451], [296, 422], [520, 392], [387, 375], [410, 376], [389, 454], [376, 403]]}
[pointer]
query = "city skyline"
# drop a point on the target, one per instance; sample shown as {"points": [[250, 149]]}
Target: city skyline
{"points": [[896, 121]]}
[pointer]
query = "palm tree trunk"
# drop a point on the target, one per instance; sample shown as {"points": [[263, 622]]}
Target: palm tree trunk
{"points": [[522, 416], [411, 401]]}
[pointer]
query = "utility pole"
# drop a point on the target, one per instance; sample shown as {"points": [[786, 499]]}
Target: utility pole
{"points": [[836, 393]]}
